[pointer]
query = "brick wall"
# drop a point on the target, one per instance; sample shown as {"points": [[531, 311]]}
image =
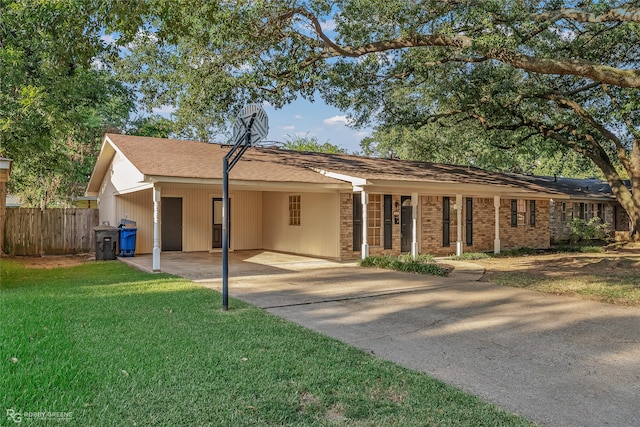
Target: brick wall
{"points": [[430, 227], [346, 228], [484, 229], [525, 236], [560, 230]]}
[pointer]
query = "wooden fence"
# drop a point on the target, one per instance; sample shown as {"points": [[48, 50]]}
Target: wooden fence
{"points": [[31, 231]]}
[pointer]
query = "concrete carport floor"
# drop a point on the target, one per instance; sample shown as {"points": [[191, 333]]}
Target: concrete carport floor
{"points": [[558, 361]]}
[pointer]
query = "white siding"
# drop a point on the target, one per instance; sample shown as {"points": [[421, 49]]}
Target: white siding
{"points": [[246, 220], [246, 217], [319, 231]]}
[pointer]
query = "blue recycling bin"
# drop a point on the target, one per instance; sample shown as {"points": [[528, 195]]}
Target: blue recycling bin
{"points": [[127, 243]]}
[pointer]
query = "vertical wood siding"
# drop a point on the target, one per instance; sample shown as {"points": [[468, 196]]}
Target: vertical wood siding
{"points": [[30, 231], [246, 217]]}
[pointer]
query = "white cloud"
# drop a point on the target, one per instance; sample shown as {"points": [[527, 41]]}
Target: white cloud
{"points": [[98, 64], [361, 134], [164, 110], [108, 39], [337, 120], [328, 25], [297, 116], [289, 127]]}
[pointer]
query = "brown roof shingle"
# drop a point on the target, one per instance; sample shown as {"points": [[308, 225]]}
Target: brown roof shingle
{"points": [[191, 159], [199, 160]]}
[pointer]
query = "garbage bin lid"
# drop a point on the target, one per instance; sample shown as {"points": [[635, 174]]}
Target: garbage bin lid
{"points": [[104, 227]]}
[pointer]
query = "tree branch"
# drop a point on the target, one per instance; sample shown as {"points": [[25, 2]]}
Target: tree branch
{"points": [[613, 15], [578, 109], [562, 66]]}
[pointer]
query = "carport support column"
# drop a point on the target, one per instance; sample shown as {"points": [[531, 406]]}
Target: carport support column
{"points": [[496, 241], [459, 224], [365, 237], [156, 228], [414, 218]]}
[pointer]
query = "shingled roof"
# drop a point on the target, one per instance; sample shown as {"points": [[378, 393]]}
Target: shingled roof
{"points": [[165, 159], [576, 188], [161, 157]]}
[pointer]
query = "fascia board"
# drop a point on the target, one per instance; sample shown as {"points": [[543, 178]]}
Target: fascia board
{"points": [[258, 185], [355, 181]]}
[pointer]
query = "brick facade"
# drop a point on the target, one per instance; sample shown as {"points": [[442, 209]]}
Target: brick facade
{"points": [[430, 234], [561, 214], [525, 236]]}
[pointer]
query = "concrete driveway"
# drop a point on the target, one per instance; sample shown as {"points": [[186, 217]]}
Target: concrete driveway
{"points": [[558, 361]]}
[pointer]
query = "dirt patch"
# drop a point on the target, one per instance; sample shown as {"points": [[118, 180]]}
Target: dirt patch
{"points": [[610, 277], [54, 261], [607, 264]]}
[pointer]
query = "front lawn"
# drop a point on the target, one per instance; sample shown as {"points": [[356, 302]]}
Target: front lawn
{"points": [[102, 344], [608, 277]]}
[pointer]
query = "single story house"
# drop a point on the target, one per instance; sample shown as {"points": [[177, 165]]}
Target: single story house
{"points": [[587, 198], [326, 205]]}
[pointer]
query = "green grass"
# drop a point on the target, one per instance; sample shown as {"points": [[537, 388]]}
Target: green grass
{"points": [[470, 256], [114, 346], [423, 264], [622, 289]]}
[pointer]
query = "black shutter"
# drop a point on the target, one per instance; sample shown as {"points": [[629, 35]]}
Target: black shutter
{"points": [[357, 222], [514, 212], [388, 221], [445, 221], [469, 220], [532, 213], [601, 212]]}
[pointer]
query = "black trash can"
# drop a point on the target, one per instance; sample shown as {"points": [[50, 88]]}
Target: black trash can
{"points": [[106, 238]]}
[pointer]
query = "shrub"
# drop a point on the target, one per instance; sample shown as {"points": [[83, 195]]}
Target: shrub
{"points": [[471, 256], [517, 252], [585, 231], [577, 248], [423, 264]]}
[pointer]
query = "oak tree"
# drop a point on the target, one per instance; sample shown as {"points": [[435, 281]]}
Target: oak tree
{"points": [[531, 76]]}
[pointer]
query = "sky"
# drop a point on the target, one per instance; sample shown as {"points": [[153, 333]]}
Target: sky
{"points": [[303, 118]]}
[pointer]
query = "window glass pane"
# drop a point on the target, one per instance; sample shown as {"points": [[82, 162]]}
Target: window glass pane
{"points": [[294, 210], [522, 212], [374, 219]]}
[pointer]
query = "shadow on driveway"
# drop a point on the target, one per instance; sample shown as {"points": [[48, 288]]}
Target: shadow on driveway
{"points": [[555, 360]]}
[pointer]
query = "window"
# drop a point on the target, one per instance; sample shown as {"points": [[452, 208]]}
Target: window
{"points": [[523, 212], [588, 214], [578, 210], [374, 219], [564, 213], [294, 210]]}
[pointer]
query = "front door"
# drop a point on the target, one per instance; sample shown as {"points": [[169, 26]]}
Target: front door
{"points": [[171, 223], [406, 224], [216, 226]]}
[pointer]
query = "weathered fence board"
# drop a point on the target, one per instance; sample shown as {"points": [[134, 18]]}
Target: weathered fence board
{"points": [[31, 231]]}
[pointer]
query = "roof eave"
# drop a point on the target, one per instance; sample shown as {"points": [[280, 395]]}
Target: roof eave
{"points": [[250, 184]]}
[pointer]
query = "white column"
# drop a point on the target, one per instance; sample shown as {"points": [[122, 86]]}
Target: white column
{"points": [[496, 241], [414, 217], [365, 237], [459, 224], [156, 228]]}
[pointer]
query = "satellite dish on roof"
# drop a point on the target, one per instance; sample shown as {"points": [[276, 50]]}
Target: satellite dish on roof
{"points": [[251, 125]]}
